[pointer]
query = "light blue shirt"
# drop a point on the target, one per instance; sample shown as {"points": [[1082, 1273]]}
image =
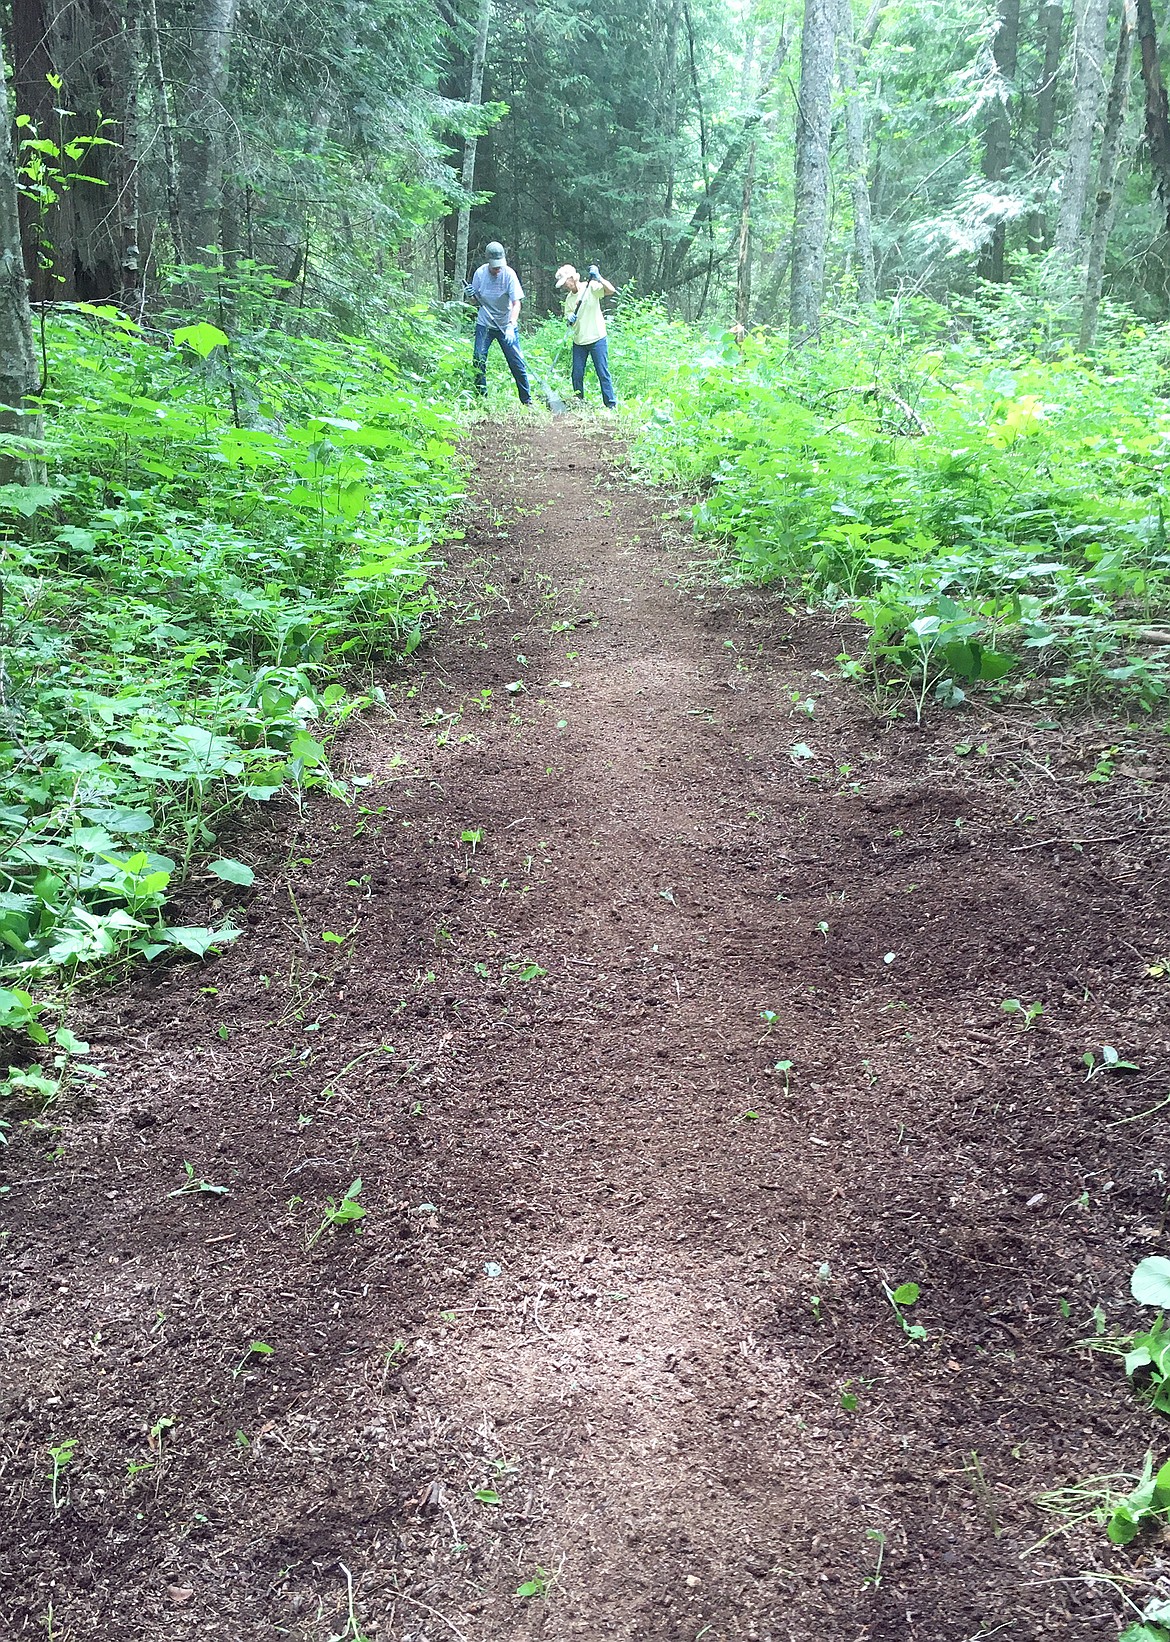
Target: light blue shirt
{"points": [[496, 289]]}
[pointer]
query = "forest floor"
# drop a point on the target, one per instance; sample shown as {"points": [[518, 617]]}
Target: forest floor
{"points": [[662, 1026]]}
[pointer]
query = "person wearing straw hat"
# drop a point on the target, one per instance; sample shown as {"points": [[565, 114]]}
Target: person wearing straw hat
{"points": [[497, 293], [586, 324]]}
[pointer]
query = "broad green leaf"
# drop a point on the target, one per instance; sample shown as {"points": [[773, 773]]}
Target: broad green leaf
{"points": [[1150, 1283], [202, 338], [906, 1294], [233, 872], [198, 940]]}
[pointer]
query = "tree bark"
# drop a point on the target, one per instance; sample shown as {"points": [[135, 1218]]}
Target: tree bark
{"points": [[743, 263], [1108, 166], [130, 203], [813, 124], [162, 96], [1092, 17], [73, 246], [207, 148], [1157, 113], [467, 180], [997, 142], [856, 153], [19, 375], [1050, 21]]}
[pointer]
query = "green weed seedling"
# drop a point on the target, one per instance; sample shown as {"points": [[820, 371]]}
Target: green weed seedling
{"points": [[60, 1458], [193, 1186], [1110, 1061], [905, 1295], [256, 1348], [536, 1586], [1028, 1013], [1147, 1507], [339, 1212], [873, 1580], [784, 1067], [353, 1631], [1149, 1352], [1154, 1625]]}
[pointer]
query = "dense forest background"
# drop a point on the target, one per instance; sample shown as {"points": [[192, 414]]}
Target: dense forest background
{"points": [[732, 160], [890, 284]]}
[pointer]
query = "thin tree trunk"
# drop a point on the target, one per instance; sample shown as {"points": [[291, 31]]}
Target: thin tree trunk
{"points": [[1157, 113], [856, 154], [132, 69], [743, 266], [19, 375], [162, 97], [475, 97], [1092, 16], [207, 149], [813, 125], [1107, 174], [1050, 28], [997, 143], [743, 141]]}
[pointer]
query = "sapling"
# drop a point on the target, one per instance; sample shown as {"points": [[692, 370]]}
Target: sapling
{"points": [[1028, 1013], [193, 1185], [905, 1295], [344, 1211], [61, 1455], [536, 1586], [256, 1348], [1110, 1061]]}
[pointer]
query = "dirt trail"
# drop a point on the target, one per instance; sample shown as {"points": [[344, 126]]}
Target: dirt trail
{"points": [[615, 1321]]}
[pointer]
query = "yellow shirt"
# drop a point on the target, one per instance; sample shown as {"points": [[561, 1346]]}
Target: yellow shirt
{"points": [[590, 326]]}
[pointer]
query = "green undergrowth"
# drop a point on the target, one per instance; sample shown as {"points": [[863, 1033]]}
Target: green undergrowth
{"points": [[227, 532], [992, 513]]}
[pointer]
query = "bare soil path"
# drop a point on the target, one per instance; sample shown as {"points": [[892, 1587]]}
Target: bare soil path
{"points": [[663, 1028]]}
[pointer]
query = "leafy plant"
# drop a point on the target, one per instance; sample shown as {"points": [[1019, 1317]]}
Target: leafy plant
{"points": [[1147, 1506], [194, 1186], [256, 1348], [339, 1212], [536, 1586], [1110, 1061], [1028, 1013], [61, 1456], [901, 1298]]}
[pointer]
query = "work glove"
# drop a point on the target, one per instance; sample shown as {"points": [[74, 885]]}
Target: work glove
{"points": [[509, 333], [594, 271], [469, 291]]}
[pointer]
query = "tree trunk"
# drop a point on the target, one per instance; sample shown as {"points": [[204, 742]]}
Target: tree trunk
{"points": [[205, 166], [743, 266], [856, 154], [19, 375], [474, 97], [162, 97], [1157, 113], [132, 69], [73, 245], [1107, 174], [1050, 28], [1092, 17], [997, 142], [811, 219]]}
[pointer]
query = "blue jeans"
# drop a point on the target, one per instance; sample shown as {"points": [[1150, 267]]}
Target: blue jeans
{"points": [[598, 352], [485, 335]]}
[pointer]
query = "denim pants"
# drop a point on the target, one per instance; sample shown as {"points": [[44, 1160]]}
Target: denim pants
{"points": [[598, 352], [485, 335]]}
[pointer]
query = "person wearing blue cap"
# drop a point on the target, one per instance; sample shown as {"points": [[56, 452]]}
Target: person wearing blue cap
{"points": [[497, 293]]}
